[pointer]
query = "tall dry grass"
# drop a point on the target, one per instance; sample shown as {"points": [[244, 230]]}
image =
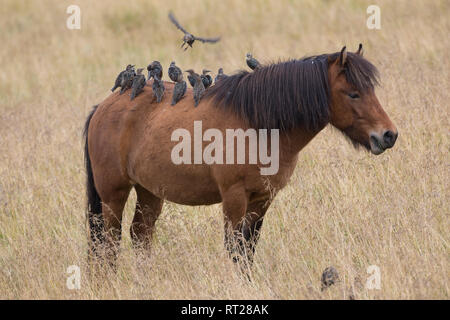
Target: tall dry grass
{"points": [[343, 207]]}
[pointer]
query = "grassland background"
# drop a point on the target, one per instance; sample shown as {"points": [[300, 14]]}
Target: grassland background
{"points": [[343, 207]]}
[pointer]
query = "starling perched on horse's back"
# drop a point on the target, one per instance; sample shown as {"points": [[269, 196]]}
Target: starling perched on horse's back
{"points": [[199, 88], [155, 69], [252, 62], [191, 80], [158, 88], [174, 72], [127, 80], [220, 75], [118, 82], [138, 83], [206, 78], [179, 90], [189, 38]]}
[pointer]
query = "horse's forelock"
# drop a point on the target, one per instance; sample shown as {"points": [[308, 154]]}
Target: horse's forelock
{"points": [[359, 72]]}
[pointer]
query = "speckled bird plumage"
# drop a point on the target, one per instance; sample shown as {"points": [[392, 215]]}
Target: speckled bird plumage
{"points": [[252, 62], [206, 78], [127, 80], [155, 69], [329, 277], [118, 82], [174, 72], [138, 84], [158, 88], [199, 88], [220, 75], [178, 91]]}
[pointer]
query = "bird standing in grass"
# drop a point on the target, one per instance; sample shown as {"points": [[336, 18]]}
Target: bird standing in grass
{"points": [[179, 90], [220, 75], [118, 82], [174, 72], [206, 78], [158, 88], [138, 83], [199, 88], [189, 38], [329, 277], [252, 62], [155, 69]]}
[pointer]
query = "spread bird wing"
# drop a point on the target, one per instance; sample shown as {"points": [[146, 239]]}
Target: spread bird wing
{"points": [[210, 40], [176, 23]]}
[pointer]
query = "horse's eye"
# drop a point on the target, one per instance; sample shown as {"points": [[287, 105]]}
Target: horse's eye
{"points": [[353, 95]]}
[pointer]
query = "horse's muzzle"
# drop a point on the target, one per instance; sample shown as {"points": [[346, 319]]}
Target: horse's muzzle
{"points": [[378, 144]]}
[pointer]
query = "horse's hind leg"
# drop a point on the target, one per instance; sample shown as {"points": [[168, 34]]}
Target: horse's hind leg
{"points": [[112, 206], [148, 209]]}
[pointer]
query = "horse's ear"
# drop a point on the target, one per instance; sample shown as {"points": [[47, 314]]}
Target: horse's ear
{"points": [[343, 56], [360, 50]]}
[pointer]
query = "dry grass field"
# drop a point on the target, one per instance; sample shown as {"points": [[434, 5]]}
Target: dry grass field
{"points": [[343, 207]]}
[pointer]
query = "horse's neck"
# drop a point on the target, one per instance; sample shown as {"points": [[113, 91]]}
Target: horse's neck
{"points": [[291, 143]]}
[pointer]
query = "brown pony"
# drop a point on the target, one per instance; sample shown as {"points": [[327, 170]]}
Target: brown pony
{"points": [[129, 145]]}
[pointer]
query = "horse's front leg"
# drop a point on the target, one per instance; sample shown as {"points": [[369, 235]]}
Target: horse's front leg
{"points": [[234, 205], [251, 226]]}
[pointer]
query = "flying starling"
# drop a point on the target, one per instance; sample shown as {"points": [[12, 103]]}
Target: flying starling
{"points": [[220, 75], [127, 80], [189, 38], [199, 88], [329, 277], [252, 62], [206, 78], [155, 69], [174, 72], [158, 88], [118, 82], [138, 83]]}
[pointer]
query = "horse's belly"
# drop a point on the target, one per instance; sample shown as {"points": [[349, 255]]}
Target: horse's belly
{"points": [[193, 193], [183, 184], [194, 199]]}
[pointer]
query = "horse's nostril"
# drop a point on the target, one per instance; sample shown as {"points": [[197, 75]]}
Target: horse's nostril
{"points": [[389, 138]]}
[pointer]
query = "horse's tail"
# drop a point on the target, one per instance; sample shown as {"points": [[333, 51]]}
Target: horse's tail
{"points": [[94, 205]]}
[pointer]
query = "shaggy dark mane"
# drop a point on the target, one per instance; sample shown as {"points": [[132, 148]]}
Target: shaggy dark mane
{"points": [[289, 94]]}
